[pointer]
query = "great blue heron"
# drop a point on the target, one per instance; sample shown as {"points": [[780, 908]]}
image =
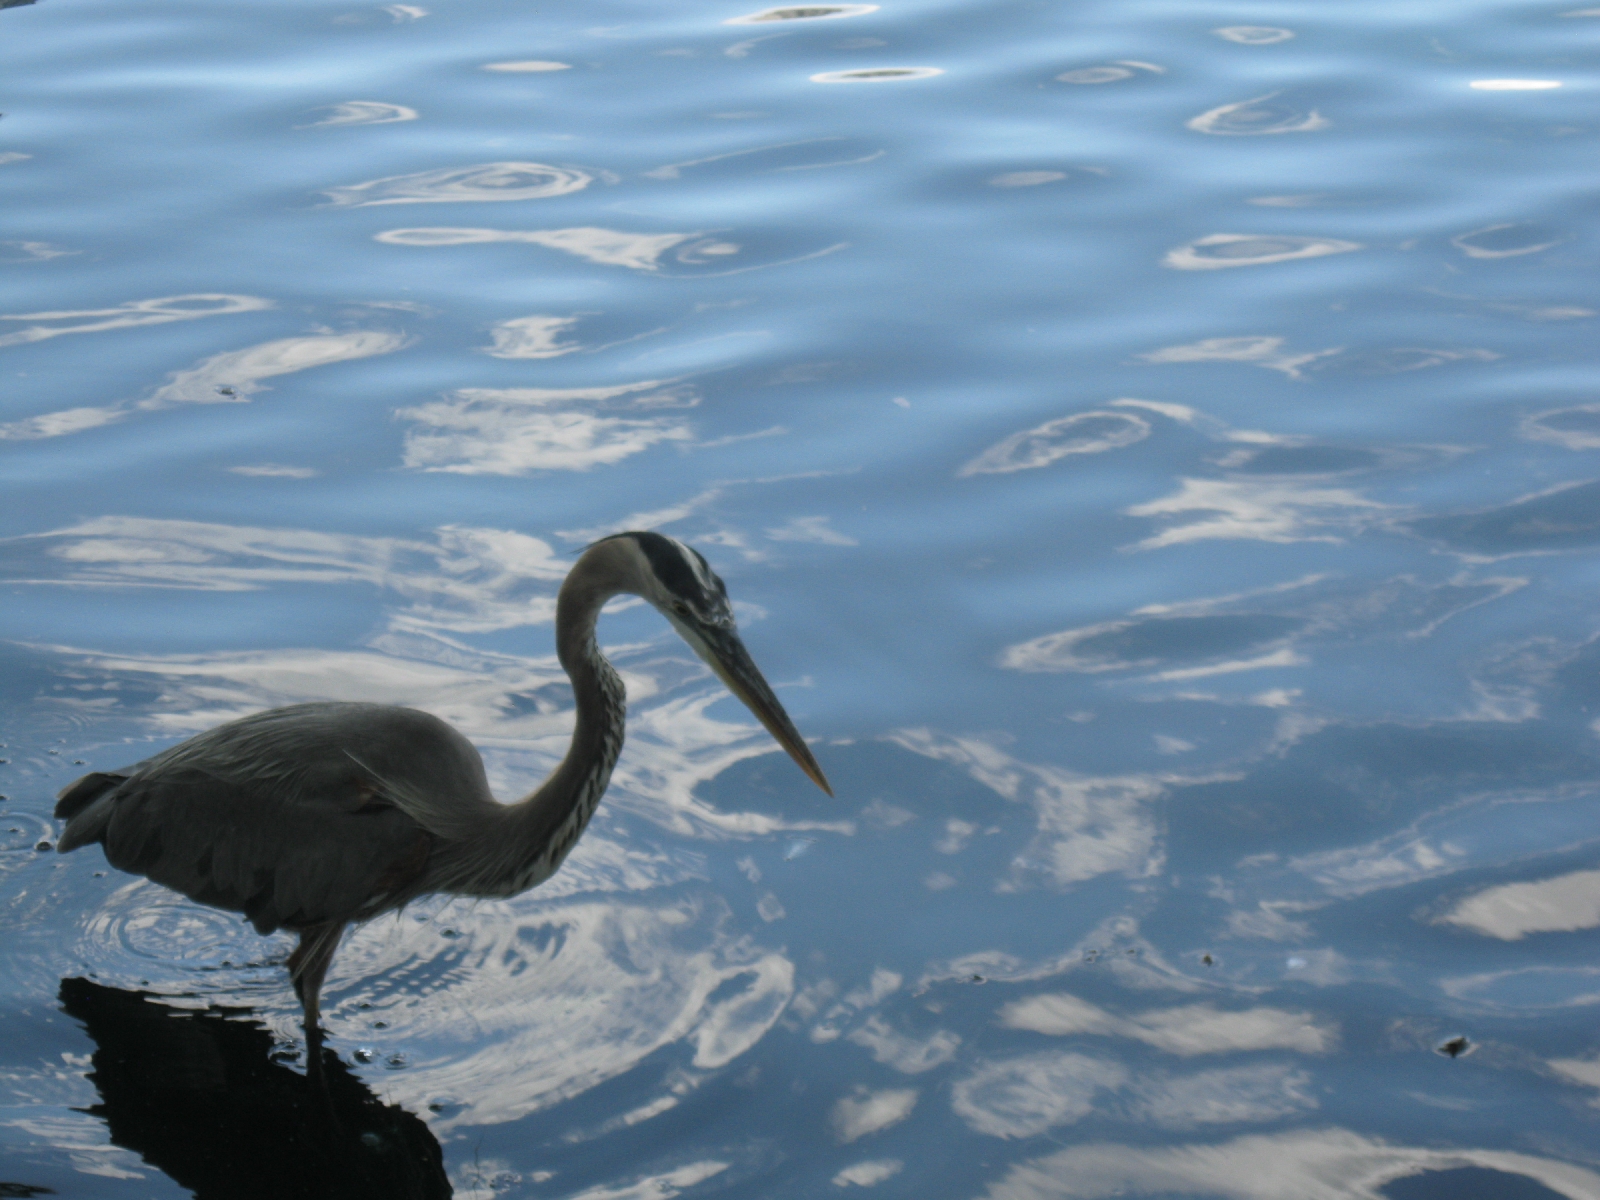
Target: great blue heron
{"points": [[310, 817]]}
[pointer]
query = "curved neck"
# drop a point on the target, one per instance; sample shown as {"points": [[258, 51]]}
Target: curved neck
{"points": [[524, 843], [566, 801], [546, 824]]}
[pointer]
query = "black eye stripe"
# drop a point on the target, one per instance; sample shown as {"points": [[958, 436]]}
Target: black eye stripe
{"points": [[672, 566]]}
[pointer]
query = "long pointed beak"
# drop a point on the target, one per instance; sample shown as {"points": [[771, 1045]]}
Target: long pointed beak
{"points": [[725, 654]]}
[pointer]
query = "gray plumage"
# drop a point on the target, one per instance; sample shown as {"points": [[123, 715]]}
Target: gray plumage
{"points": [[311, 817]]}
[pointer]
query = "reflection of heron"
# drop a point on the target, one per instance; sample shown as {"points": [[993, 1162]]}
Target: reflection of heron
{"points": [[313, 816], [199, 1096]]}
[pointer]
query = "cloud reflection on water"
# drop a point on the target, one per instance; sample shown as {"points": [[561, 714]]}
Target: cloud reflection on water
{"points": [[129, 315], [1268, 352], [1188, 1030], [513, 431], [1513, 910], [1258, 510], [364, 112], [609, 247], [1086, 826], [228, 378], [452, 185], [544, 1001], [1326, 1164], [1026, 1095], [465, 580], [1080, 433], [1575, 428], [1258, 116], [1218, 250]]}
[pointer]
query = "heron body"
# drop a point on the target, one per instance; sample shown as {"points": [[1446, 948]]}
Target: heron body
{"points": [[314, 816]]}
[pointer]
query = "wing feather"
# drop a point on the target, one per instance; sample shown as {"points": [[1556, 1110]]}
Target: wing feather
{"points": [[293, 817]]}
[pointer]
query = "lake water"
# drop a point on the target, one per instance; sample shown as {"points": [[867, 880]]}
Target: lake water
{"points": [[1153, 448]]}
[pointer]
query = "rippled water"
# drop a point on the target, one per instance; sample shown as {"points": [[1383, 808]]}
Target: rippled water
{"points": [[1152, 448]]}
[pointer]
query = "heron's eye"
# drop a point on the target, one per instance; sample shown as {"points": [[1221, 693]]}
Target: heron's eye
{"points": [[681, 609]]}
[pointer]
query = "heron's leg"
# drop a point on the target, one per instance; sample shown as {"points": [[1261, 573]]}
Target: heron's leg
{"points": [[308, 965]]}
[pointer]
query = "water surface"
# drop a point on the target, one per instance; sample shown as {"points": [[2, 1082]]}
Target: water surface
{"points": [[1152, 449]]}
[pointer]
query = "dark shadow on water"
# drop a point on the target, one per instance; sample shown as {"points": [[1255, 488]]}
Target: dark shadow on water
{"points": [[197, 1096]]}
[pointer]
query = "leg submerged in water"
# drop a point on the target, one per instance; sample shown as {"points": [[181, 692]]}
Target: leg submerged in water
{"points": [[308, 965]]}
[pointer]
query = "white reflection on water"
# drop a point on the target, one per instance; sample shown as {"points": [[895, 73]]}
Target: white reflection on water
{"points": [[1080, 433], [1258, 510], [1187, 1030], [1223, 1096], [1029, 1094], [1580, 1070], [654, 1187], [1261, 351], [364, 112], [512, 431], [1514, 910], [1254, 35], [1024, 1096], [810, 529], [1138, 644], [532, 64], [545, 337], [128, 315], [868, 1173], [1257, 116], [1087, 826], [533, 337], [609, 247], [1575, 428], [545, 1001], [908, 1055], [1510, 239], [59, 424], [84, 1138], [862, 1112], [465, 580], [228, 378], [274, 471], [486, 181], [1324, 1164], [35, 252], [1219, 250], [882, 984]]}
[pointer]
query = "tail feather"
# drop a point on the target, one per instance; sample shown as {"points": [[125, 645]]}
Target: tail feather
{"points": [[81, 793], [85, 804]]}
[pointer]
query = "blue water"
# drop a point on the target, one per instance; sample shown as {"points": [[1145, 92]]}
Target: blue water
{"points": [[1152, 449]]}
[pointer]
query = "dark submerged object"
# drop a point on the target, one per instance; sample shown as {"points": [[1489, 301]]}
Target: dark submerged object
{"points": [[313, 816], [198, 1096]]}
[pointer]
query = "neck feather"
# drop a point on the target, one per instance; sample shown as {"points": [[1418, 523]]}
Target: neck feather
{"points": [[528, 840]]}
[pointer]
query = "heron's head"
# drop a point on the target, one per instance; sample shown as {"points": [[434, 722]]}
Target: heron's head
{"points": [[683, 588]]}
